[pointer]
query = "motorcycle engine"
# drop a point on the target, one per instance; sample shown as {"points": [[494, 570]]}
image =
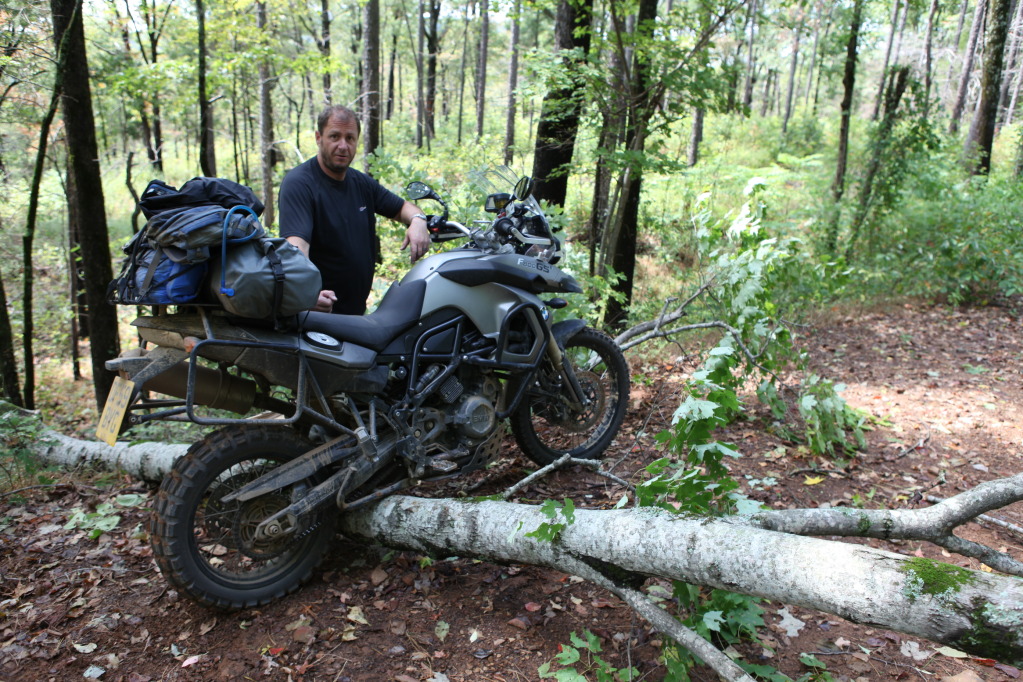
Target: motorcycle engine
{"points": [[471, 404], [476, 417]]}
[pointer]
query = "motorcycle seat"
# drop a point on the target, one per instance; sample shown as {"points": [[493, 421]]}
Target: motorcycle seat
{"points": [[397, 312]]}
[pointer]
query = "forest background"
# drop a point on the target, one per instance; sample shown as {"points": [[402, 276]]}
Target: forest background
{"points": [[750, 165], [883, 134]]}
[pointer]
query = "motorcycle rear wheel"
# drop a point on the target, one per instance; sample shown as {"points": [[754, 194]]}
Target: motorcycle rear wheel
{"points": [[207, 548], [546, 427]]}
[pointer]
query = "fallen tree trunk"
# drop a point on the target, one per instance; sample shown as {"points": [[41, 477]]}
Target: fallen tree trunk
{"points": [[145, 461], [980, 613]]}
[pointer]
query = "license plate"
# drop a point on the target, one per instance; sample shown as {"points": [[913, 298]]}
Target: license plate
{"points": [[113, 412]]}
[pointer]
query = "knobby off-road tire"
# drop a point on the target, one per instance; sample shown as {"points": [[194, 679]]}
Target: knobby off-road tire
{"points": [[207, 548], [544, 425]]}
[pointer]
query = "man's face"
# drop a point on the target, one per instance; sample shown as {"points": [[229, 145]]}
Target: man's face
{"points": [[336, 145]]}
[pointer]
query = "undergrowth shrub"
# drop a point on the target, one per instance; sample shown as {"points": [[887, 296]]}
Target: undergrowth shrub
{"points": [[956, 240]]}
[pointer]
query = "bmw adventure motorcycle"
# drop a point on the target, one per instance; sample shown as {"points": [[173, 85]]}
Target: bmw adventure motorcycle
{"points": [[344, 410]]}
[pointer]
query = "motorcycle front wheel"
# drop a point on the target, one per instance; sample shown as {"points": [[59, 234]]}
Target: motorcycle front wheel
{"points": [[547, 427], [208, 548]]}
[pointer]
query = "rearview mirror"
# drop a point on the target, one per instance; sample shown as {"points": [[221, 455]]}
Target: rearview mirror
{"points": [[523, 188], [418, 190]]}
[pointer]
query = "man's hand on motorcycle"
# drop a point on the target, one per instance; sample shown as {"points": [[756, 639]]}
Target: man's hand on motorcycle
{"points": [[417, 238], [325, 302]]}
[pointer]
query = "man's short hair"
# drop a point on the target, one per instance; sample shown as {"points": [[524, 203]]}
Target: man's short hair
{"points": [[338, 111]]}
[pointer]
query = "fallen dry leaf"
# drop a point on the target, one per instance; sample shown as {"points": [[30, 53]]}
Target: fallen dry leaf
{"points": [[520, 622]]}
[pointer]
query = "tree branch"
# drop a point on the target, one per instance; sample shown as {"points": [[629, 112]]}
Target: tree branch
{"points": [[933, 524], [664, 622]]}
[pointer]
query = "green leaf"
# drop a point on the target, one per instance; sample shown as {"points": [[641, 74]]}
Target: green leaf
{"points": [[713, 620], [568, 655], [811, 661]]}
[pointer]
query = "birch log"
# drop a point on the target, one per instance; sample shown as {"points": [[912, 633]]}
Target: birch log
{"points": [[980, 613], [145, 461]]}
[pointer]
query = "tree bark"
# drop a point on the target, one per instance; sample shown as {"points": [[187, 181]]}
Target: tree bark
{"points": [[481, 67], [751, 66], [513, 83], [433, 37], [207, 147], [887, 58], [266, 136], [858, 583], [932, 17], [1011, 70], [621, 243], [462, 69], [849, 85], [790, 92], [371, 79], [695, 138], [80, 129], [559, 114], [964, 79], [8, 362], [980, 139], [893, 96], [324, 45]]}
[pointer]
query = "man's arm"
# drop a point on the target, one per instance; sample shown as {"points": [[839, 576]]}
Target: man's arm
{"points": [[417, 237]]}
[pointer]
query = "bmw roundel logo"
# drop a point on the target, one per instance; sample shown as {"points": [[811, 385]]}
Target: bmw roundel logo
{"points": [[544, 313], [322, 340]]}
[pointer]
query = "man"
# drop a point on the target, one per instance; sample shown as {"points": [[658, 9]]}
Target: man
{"points": [[328, 210]]}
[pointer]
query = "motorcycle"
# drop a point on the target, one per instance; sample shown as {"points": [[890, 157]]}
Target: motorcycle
{"points": [[354, 408]]}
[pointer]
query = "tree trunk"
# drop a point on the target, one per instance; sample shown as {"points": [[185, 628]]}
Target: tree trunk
{"points": [[893, 96], [8, 362], [79, 307], [887, 58], [979, 615], [432, 50], [207, 148], [371, 79], [849, 85], [811, 69], [81, 138], [1017, 169], [559, 115], [695, 137], [932, 17], [621, 244], [420, 76], [324, 45], [389, 108], [980, 139], [751, 66], [462, 69], [481, 67], [964, 79], [790, 92], [266, 136], [1011, 70], [513, 83]]}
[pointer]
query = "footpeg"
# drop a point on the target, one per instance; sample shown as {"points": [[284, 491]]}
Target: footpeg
{"points": [[442, 465]]}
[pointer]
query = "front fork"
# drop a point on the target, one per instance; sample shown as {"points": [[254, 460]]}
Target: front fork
{"points": [[561, 333]]}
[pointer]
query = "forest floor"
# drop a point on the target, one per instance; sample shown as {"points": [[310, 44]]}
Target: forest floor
{"points": [[945, 390]]}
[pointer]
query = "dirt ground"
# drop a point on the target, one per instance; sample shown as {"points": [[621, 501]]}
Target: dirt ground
{"points": [[944, 387]]}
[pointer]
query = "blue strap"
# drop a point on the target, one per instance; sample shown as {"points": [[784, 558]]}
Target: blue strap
{"points": [[224, 289]]}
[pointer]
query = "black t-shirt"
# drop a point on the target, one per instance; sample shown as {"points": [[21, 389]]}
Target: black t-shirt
{"points": [[338, 219]]}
